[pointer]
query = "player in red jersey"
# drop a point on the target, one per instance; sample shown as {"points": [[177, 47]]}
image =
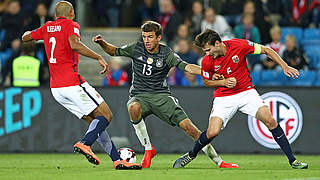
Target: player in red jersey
{"points": [[235, 91], [63, 46]]}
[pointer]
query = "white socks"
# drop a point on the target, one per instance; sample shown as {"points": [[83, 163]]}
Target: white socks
{"points": [[211, 152], [142, 133]]}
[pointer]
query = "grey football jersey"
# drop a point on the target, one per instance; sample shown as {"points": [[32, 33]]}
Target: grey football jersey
{"points": [[150, 70]]}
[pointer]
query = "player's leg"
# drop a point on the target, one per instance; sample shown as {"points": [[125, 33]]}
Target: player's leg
{"points": [[187, 126], [69, 97], [135, 110], [252, 104], [91, 104], [223, 110], [108, 146], [264, 115]]}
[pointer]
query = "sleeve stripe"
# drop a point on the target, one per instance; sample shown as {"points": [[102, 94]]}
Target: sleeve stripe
{"points": [[178, 63], [257, 48]]}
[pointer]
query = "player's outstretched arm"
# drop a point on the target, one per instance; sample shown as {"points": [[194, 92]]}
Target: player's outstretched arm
{"points": [[82, 49], [288, 70], [27, 36], [193, 69], [108, 48]]}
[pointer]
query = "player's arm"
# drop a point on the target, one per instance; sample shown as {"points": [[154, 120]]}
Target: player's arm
{"points": [[229, 82], [288, 70], [108, 48], [82, 49], [193, 69], [27, 36]]}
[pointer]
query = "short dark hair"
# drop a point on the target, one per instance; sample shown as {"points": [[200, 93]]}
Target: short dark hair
{"points": [[27, 48], [151, 26], [208, 36]]}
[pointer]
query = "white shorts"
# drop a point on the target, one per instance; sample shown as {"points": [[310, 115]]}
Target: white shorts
{"points": [[80, 99], [247, 102]]}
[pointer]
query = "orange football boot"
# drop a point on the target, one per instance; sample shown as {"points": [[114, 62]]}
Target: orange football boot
{"points": [[228, 165], [148, 155], [124, 165], [87, 152]]}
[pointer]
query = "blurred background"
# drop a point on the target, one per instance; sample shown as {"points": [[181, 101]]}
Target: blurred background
{"points": [[290, 27]]}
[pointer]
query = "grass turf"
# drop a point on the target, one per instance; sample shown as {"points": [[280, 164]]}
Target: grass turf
{"points": [[75, 166]]}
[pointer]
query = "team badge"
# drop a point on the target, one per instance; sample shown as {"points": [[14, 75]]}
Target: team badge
{"points": [[149, 60], [159, 63], [250, 43], [235, 59], [285, 111], [217, 67]]}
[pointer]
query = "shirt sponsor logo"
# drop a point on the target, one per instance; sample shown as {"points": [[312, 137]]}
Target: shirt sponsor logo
{"points": [[217, 67], [53, 28], [235, 59], [159, 63], [285, 111], [149, 60]]}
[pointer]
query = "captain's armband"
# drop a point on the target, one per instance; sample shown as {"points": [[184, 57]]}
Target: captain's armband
{"points": [[257, 48]]}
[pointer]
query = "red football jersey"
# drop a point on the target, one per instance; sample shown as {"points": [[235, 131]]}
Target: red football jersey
{"points": [[63, 61], [233, 64]]}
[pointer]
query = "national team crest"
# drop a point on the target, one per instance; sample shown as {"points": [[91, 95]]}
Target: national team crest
{"points": [[235, 59], [250, 43], [285, 111], [159, 63], [217, 67], [149, 60]]}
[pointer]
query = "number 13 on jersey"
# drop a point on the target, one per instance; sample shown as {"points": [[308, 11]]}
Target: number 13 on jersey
{"points": [[147, 69]]}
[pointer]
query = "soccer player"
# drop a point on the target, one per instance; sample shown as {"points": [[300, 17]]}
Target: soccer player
{"points": [[235, 91], [150, 94], [63, 46]]}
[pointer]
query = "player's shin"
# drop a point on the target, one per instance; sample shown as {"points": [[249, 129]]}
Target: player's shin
{"points": [[199, 144], [97, 125], [142, 133], [281, 139], [213, 155], [107, 145]]}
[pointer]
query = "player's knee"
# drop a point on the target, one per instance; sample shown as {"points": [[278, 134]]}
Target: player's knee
{"points": [[271, 123], [109, 116], [134, 111], [211, 133]]}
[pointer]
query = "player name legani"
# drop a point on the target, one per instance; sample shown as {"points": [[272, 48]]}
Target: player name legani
{"points": [[53, 28]]}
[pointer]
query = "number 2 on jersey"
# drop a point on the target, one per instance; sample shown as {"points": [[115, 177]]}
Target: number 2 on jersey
{"points": [[53, 41]]}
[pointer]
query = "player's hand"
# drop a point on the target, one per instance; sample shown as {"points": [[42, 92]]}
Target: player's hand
{"points": [[217, 77], [230, 82], [291, 72], [98, 38], [104, 65]]}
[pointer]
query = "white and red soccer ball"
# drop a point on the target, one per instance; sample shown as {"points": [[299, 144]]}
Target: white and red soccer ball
{"points": [[128, 155]]}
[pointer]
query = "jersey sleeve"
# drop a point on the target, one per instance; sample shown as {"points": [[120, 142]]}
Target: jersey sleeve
{"points": [[175, 60], [37, 34], [250, 47], [206, 72], [126, 50], [73, 29]]}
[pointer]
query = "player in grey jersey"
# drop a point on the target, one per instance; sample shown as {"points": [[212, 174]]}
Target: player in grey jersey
{"points": [[150, 94]]}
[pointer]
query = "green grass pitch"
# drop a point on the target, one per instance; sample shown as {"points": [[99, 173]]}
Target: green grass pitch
{"points": [[75, 166]]}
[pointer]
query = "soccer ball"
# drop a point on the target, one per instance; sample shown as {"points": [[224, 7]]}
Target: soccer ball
{"points": [[128, 155]]}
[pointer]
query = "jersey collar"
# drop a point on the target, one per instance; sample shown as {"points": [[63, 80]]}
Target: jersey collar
{"points": [[61, 17]]}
